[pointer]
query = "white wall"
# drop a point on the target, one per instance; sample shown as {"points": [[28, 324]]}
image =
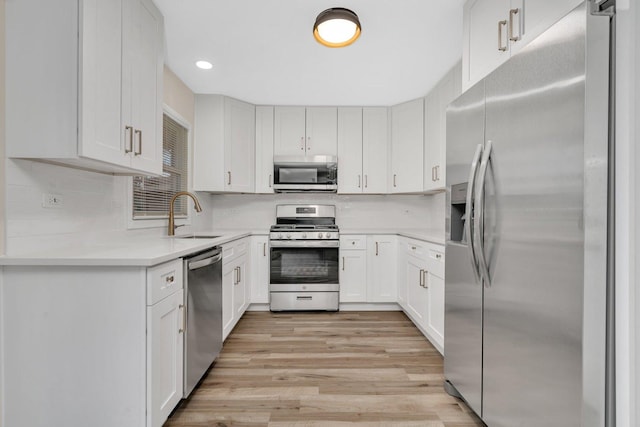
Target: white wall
{"points": [[627, 213], [257, 212], [2, 122]]}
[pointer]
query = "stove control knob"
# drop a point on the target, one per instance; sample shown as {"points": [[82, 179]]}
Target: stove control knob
{"points": [[288, 236], [304, 235], [279, 235], [328, 235], [319, 235]]}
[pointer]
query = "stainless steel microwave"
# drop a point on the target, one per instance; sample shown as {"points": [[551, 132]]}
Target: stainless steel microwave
{"points": [[293, 174]]}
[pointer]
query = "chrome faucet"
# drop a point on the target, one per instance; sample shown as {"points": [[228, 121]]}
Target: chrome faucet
{"points": [[172, 227]]}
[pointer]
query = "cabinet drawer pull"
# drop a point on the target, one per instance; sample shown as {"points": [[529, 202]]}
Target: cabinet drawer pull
{"points": [[138, 152], [438, 256], [184, 319], [500, 47], [169, 279], [305, 298], [512, 13], [128, 139]]}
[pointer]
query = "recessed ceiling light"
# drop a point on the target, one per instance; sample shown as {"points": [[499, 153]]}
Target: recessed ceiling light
{"points": [[205, 65], [337, 27]]}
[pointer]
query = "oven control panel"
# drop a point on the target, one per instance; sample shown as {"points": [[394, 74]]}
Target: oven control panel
{"points": [[304, 235]]}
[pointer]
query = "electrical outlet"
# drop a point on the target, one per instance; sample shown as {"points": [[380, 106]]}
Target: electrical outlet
{"points": [[51, 201]]}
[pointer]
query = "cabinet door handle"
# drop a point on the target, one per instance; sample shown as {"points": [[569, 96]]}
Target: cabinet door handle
{"points": [[500, 47], [512, 13], [342, 263], [308, 142], [366, 181], [235, 274], [239, 274], [128, 142], [302, 143], [184, 319], [270, 180], [421, 278], [426, 279], [438, 173], [433, 173], [376, 248], [394, 180], [264, 249], [138, 152], [358, 181], [229, 178]]}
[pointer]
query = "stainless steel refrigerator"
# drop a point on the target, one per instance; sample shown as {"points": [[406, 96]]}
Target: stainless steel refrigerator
{"points": [[528, 289]]}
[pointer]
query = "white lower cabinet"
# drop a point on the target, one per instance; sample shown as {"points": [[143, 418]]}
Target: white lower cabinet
{"points": [[424, 281], [353, 269], [111, 337], [368, 268], [236, 283], [381, 268], [165, 344], [260, 263]]}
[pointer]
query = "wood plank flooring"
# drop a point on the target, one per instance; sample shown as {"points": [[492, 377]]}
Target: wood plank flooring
{"points": [[324, 369]]}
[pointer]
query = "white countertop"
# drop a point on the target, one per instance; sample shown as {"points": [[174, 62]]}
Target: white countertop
{"points": [[148, 251], [428, 235], [143, 252]]}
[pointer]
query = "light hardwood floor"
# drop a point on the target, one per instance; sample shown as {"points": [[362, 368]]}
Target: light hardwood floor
{"points": [[324, 369]]}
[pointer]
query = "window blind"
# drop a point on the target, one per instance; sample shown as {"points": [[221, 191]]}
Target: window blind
{"points": [[151, 195]]}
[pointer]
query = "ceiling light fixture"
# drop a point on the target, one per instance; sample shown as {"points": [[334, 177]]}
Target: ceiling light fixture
{"points": [[205, 65], [337, 27]]}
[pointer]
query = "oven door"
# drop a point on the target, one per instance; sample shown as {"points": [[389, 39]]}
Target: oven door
{"points": [[304, 266]]}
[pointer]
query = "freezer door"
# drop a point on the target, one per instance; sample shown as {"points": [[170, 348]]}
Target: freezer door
{"points": [[534, 233], [463, 292]]}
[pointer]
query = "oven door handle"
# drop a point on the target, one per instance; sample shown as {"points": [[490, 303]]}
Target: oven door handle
{"points": [[304, 243]]}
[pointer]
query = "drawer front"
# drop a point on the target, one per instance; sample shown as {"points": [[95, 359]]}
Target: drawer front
{"points": [[353, 242], [234, 249], [435, 260], [416, 248], [163, 280]]}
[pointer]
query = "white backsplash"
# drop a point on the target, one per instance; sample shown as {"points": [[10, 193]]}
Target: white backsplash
{"points": [[94, 209], [257, 212]]}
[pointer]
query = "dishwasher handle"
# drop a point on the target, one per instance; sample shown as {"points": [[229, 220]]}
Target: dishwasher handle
{"points": [[194, 265]]}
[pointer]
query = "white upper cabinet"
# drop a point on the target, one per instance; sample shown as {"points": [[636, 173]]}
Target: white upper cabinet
{"points": [[350, 176], [224, 145], [310, 131], [264, 149], [363, 145], [435, 124], [407, 147], [496, 29], [100, 106]]}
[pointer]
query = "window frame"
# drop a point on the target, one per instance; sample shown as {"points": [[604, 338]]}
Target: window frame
{"points": [[162, 222]]}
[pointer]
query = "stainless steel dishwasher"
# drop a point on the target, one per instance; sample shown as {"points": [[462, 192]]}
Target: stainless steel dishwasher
{"points": [[203, 296]]}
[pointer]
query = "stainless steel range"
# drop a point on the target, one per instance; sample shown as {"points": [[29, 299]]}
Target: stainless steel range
{"points": [[304, 245]]}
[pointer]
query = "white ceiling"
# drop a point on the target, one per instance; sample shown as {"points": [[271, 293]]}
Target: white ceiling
{"points": [[263, 51]]}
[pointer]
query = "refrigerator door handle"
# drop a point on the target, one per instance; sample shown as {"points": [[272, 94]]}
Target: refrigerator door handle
{"points": [[468, 224], [478, 227]]}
